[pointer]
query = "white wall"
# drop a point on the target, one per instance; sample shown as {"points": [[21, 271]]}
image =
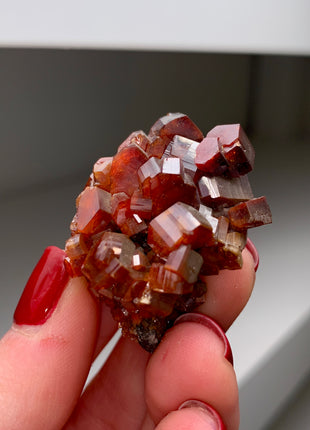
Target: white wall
{"points": [[265, 26]]}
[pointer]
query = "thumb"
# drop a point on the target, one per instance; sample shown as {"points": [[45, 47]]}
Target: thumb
{"points": [[46, 355]]}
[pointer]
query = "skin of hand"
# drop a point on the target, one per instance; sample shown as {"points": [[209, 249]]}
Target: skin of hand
{"points": [[58, 330]]}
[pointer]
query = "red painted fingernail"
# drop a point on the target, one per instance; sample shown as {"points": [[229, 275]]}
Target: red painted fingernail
{"points": [[213, 417], [43, 289], [212, 325], [251, 248]]}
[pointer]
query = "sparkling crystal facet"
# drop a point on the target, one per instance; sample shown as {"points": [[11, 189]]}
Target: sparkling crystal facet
{"points": [[136, 137], [209, 158], [217, 190], [101, 172], [185, 262], [169, 209], [124, 169], [93, 210], [180, 224], [235, 147], [185, 149], [252, 213], [175, 123]]}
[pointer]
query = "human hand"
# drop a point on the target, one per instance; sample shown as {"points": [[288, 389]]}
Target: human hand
{"points": [[58, 331]]}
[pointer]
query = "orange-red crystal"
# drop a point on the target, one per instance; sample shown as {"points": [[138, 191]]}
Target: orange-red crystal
{"points": [[168, 209]]}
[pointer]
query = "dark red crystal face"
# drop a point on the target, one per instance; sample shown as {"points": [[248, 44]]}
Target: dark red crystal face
{"points": [[175, 124], [218, 191], [93, 210], [235, 148], [136, 137], [124, 169], [101, 173], [251, 213], [171, 207], [209, 158]]}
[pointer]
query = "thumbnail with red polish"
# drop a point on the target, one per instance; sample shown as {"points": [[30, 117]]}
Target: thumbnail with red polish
{"points": [[43, 289], [210, 324]]}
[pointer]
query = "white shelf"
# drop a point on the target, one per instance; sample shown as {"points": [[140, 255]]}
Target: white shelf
{"points": [[267, 26]]}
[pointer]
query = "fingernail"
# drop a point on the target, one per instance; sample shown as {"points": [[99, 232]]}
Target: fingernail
{"points": [[251, 248], [43, 289], [210, 324], [212, 416]]}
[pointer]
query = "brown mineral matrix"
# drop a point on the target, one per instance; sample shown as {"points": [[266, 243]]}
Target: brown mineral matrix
{"points": [[170, 208]]}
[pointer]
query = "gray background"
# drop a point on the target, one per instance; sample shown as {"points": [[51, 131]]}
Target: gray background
{"points": [[60, 110]]}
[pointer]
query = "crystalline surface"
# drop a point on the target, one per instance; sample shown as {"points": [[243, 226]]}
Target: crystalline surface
{"points": [[93, 210], [176, 123], [218, 191], [235, 147], [124, 169], [185, 262], [185, 149], [101, 172], [136, 137], [209, 158], [252, 213], [169, 208]]}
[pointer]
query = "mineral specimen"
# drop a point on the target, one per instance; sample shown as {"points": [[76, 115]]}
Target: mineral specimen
{"points": [[168, 209]]}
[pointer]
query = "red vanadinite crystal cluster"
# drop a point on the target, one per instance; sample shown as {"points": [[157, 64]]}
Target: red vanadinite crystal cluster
{"points": [[169, 208]]}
